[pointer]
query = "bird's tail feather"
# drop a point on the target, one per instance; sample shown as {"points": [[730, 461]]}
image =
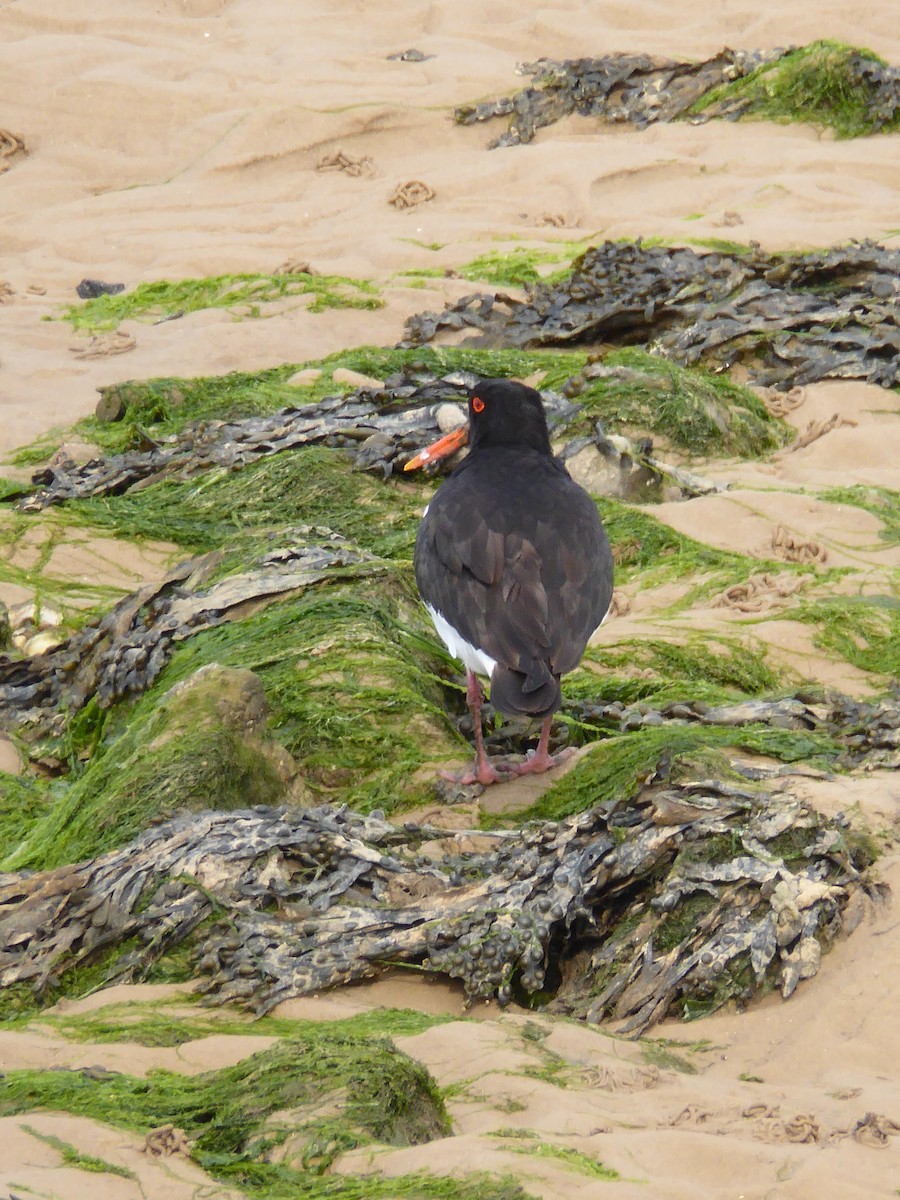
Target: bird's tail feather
{"points": [[537, 694]]}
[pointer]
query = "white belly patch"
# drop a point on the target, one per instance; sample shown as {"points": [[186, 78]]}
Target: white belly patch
{"points": [[476, 660]]}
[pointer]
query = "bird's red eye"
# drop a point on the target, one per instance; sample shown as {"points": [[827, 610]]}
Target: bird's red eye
{"points": [[477, 404]]}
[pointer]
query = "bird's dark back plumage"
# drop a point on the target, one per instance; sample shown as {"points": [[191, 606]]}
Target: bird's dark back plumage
{"points": [[512, 552]]}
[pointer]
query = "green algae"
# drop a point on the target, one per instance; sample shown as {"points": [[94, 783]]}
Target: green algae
{"points": [[39, 450], [24, 799], [11, 489], [881, 502], [240, 294], [148, 774], [350, 672], [308, 1098], [694, 410], [615, 769], [519, 267], [244, 513], [864, 630], [73, 1157], [379, 1093], [661, 1052], [567, 1156], [27, 549], [157, 1025], [267, 1181], [646, 548], [814, 84], [714, 670]]}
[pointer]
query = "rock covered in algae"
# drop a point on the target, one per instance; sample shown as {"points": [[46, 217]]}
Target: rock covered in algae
{"points": [[300, 1101], [203, 743]]}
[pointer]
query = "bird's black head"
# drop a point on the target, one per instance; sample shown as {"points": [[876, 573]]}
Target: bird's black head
{"points": [[504, 413]]}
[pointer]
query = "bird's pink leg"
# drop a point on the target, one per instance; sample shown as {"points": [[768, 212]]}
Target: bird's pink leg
{"points": [[541, 759], [482, 772]]}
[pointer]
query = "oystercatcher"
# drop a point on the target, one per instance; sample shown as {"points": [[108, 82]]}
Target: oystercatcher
{"points": [[513, 564]]}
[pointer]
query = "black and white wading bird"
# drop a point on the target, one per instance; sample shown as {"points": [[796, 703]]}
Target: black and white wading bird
{"points": [[513, 564]]}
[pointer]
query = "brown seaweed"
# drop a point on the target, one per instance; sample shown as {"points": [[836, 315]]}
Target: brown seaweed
{"points": [[792, 318], [399, 417], [587, 912], [378, 427], [640, 89]]}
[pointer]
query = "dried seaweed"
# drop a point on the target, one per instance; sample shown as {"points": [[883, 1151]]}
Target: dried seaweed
{"points": [[635, 88], [590, 910], [822, 80], [386, 421], [791, 318]]}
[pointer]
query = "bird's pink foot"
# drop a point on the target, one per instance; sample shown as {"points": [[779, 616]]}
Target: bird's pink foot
{"points": [[483, 772], [539, 761]]}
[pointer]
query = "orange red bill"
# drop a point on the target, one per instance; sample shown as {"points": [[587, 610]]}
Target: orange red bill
{"points": [[442, 448]]}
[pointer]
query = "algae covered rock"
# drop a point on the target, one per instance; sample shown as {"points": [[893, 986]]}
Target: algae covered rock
{"points": [[299, 1102], [202, 745]]}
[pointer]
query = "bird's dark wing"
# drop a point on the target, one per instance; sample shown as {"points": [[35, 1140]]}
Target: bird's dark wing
{"points": [[524, 582]]}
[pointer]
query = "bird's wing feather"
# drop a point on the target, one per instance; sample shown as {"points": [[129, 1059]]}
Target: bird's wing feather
{"points": [[478, 563]]}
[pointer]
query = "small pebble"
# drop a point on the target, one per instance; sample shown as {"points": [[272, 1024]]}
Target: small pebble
{"points": [[449, 417], [305, 378], [355, 379]]}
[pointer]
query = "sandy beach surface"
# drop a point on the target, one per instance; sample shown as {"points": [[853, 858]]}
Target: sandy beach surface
{"points": [[169, 139]]}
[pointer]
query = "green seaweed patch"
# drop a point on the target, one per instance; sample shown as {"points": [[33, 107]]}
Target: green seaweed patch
{"points": [[243, 295], [157, 1025], [38, 451], [881, 502], [660, 1052], [519, 267], [177, 754], [646, 548], [24, 800], [11, 489], [693, 410], [267, 1181], [719, 245], [73, 1157], [864, 630], [714, 670], [245, 513], [614, 770], [27, 545], [424, 245], [815, 84], [311, 1096], [567, 1156], [305, 1100]]}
